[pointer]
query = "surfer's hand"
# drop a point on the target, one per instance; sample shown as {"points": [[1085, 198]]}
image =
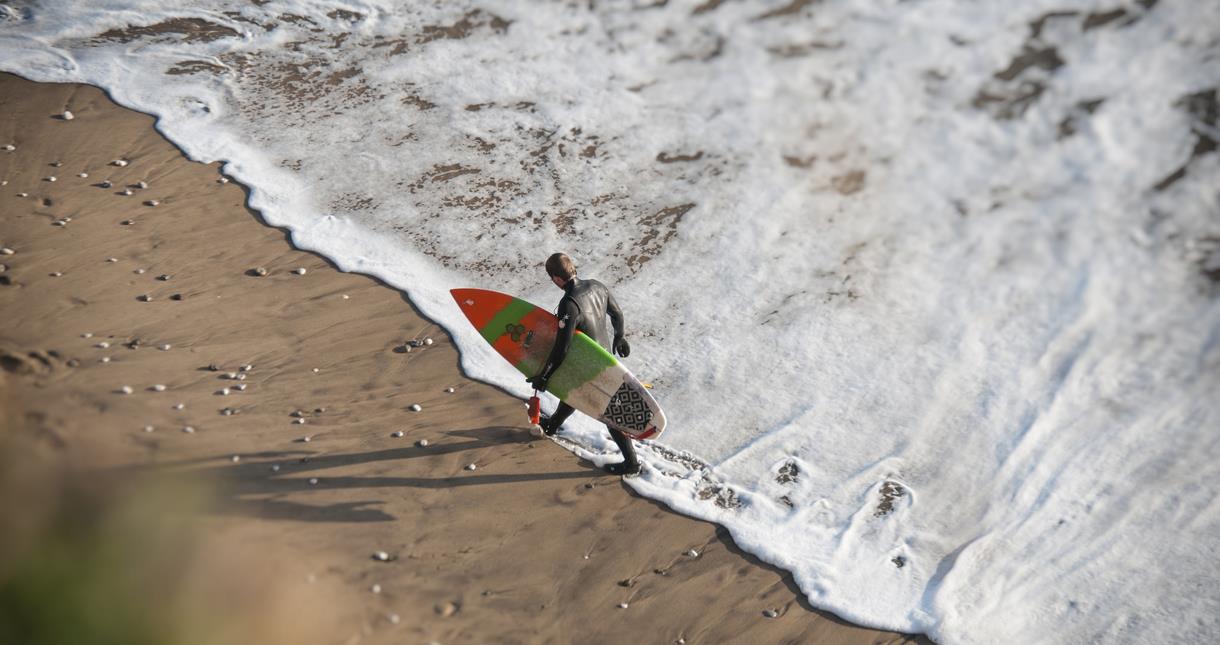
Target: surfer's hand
{"points": [[621, 347], [539, 382]]}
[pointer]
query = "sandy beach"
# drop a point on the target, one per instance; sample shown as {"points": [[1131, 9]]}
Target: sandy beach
{"points": [[331, 511]]}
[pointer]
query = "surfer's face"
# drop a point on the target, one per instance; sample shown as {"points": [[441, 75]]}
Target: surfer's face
{"points": [[559, 282]]}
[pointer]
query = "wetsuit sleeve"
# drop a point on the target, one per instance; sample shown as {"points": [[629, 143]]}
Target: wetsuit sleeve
{"points": [[616, 315], [567, 314]]}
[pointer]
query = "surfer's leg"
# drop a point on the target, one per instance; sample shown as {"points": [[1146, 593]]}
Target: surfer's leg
{"points": [[550, 425], [630, 465]]}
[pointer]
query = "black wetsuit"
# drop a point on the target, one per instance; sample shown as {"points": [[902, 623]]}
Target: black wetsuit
{"points": [[585, 306]]}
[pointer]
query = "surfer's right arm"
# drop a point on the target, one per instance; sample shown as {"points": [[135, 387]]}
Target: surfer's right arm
{"points": [[567, 314], [619, 346]]}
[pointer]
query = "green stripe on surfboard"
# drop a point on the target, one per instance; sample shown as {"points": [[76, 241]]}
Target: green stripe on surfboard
{"points": [[579, 367], [511, 314]]}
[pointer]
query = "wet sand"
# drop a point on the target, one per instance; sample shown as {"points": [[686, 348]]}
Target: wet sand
{"points": [[533, 545]]}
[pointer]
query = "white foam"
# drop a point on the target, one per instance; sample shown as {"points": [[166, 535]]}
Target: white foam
{"points": [[888, 284]]}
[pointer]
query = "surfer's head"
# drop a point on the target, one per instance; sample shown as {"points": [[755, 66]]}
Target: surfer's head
{"points": [[561, 268]]}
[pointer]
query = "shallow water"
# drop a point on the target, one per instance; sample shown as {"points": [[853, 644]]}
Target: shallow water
{"points": [[927, 289]]}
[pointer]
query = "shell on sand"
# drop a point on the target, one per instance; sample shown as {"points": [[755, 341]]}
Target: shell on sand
{"points": [[151, 202], [158, 388], [102, 345], [164, 276], [127, 192], [119, 162], [222, 180], [83, 175], [6, 251], [126, 389], [247, 367], [415, 407], [112, 259], [142, 185], [10, 147], [67, 116], [240, 387], [224, 391], [396, 434], [106, 184], [188, 429]]}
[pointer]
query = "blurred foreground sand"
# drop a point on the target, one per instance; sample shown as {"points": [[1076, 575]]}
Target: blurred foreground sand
{"points": [[261, 535]]}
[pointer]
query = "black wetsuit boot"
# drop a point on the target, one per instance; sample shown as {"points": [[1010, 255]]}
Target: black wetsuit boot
{"points": [[550, 425], [630, 466]]}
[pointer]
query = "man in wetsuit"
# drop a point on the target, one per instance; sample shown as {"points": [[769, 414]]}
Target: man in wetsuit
{"points": [[584, 308]]}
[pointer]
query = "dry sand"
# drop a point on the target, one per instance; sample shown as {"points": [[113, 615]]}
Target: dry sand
{"points": [[532, 546]]}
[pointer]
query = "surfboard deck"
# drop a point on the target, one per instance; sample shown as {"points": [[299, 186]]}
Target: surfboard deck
{"points": [[590, 378]]}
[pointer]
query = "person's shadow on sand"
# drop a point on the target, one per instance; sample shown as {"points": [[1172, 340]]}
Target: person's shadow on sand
{"points": [[251, 488]]}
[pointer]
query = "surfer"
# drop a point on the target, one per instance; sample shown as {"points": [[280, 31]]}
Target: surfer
{"points": [[584, 307]]}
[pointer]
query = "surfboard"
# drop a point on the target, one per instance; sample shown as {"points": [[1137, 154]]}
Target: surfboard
{"points": [[590, 378]]}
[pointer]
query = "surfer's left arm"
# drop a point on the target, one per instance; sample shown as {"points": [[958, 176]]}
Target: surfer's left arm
{"points": [[563, 340]]}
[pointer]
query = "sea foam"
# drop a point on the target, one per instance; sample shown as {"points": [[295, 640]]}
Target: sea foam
{"points": [[927, 289]]}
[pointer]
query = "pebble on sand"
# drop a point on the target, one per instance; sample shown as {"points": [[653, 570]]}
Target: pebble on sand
{"points": [[275, 468], [472, 466], [393, 618], [52, 178], [375, 589], [224, 391], [149, 428], [10, 147], [127, 192], [313, 481], [179, 406], [6, 251], [300, 422], [240, 387], [67, 116], [222, 180], [104, 359], [622, 605], [119, 162], [126, 389], [692, 553], [381, 556], [247, 368], [101, 345], [56, 274], [23, 194], [188, 429], [145, 298], [83, 175], [57, 164], [449, 390], [300, 271], [422, 443], [260, 271], [112, 259], [396, 434], [152, 202], [164, 277], [142, 185], [427, 341], [129, 222], [106, 184], [232, 376], [139, 271], [3, 268], [771, 613], [415, 407], [315, 370], [165, 348], [158, 388], [87, 334]]}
